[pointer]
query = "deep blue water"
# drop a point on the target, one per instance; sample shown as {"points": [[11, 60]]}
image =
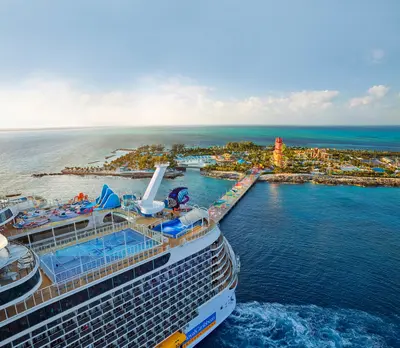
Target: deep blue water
{"points": [[320, 264], [320, 268]]}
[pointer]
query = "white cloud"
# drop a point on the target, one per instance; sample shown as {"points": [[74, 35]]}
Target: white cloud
{"points": [[57, 103], [378, 91], [377, 55], [373, 94], [41, 103]]}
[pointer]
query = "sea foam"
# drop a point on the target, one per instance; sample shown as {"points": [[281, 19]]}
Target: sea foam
{"points": [[275, 325]]}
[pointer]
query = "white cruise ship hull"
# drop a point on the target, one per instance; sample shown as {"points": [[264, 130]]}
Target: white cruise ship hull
{"points": [[212, 314]]}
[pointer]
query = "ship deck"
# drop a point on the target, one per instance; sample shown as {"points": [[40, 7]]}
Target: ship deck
{"points": [[54, 285], [73, 260]]}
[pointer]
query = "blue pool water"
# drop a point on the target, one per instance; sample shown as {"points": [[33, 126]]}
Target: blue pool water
{"points": [[80, 258], [174, 227]]}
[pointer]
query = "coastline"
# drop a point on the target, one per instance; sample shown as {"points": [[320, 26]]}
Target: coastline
{"points": [[330, 180], [309, 178], [134, 175]]}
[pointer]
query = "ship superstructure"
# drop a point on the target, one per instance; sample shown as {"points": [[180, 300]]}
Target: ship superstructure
{"points": [[33, 220], [162, 278]]}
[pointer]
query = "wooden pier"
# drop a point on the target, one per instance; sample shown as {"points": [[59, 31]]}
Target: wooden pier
{"points": [[220, 208]]}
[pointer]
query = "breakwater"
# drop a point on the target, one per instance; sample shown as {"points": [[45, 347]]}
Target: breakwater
{"points": [[330, 180], [222, 174]]}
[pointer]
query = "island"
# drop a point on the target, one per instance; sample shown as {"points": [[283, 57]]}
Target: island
{"points": [[277, 163]]}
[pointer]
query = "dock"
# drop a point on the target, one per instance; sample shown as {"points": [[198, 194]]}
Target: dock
{"points": [[220, 208]]}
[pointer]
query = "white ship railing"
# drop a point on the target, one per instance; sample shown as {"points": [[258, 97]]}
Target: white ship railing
{"points": [[9, 232]]}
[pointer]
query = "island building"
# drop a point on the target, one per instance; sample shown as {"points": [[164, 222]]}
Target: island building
{"points": [[277, 154]]}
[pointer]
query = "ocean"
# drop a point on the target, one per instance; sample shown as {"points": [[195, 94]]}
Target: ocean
{"points": [[320, 264]]}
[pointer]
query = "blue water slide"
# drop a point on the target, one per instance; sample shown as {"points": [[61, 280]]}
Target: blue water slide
{"points": [[111, 202], [103, 192], [105, 197]]}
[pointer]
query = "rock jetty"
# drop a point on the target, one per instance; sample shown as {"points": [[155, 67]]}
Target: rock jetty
{"points": [[222, 175], [331, 180]]}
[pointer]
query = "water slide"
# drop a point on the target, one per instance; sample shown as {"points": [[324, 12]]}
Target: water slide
{"points": [[107, 200], [174, 227]]}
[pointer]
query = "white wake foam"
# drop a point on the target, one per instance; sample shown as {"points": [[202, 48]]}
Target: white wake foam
{"points": [[275, 325]]}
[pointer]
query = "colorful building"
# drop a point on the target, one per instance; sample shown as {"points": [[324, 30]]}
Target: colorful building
{"points": [[278, 152]]}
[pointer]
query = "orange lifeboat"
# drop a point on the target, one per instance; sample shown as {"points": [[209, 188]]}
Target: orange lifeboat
{"points": [[173, 341]]}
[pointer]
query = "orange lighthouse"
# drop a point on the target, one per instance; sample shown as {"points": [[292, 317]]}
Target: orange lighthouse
{"points": [[278, 152]]}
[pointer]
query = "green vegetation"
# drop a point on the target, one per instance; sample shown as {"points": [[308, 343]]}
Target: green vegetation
{"points": [[242, 156], [144, 157]]}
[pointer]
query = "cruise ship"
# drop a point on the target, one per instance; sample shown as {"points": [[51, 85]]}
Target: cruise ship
{"points": [[164, 277]]}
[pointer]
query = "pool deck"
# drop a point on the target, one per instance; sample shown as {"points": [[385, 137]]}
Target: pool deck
{"points": [[62, 264], [49, 290]]}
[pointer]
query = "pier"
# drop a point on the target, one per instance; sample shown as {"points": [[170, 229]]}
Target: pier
{"points": [[220, 208]]}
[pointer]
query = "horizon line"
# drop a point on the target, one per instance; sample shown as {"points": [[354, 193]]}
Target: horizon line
{"points": [[193, 126]]}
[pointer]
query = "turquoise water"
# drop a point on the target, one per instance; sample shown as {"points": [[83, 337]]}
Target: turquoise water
{"points": [[320, 264]]}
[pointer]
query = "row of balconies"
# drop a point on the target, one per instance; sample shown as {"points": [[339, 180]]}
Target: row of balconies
{"points": [[140, 320], [96, 312]]}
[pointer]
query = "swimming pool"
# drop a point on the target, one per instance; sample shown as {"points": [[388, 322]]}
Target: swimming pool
{"points": [[80, 258]]}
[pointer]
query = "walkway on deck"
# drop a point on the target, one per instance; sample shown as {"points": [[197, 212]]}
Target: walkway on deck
{"points": [[220, 208]]}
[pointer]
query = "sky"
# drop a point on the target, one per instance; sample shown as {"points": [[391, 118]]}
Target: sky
{"points": [[178, 62]]}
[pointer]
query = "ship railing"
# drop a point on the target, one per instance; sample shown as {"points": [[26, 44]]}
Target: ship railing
{"points": [[194, 234], [54, 224], [82, 236], [14, 267], [55, 290], [59, 242], [105, 259], [191, 226]]}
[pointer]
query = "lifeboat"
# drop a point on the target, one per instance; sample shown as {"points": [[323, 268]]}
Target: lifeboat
{"points": [[173, 341]]}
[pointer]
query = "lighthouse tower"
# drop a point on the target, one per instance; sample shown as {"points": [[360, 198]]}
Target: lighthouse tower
{"points": [[278, 152]]}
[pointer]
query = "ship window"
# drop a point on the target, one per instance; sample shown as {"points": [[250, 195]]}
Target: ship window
{"points": [[40, 236], [74, 300], [23, 239], [81, 224], [19, 325], [161, 261], [143, 269], [19, 290], [64, 229], [123, 278], [39, 330], [100, 288], [44, 313], [115, 218]]}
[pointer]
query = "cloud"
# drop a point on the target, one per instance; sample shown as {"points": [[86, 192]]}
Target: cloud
{"points": [[58, 103], [38, 103], [373, 94], [377, 55], [378, 91]]}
